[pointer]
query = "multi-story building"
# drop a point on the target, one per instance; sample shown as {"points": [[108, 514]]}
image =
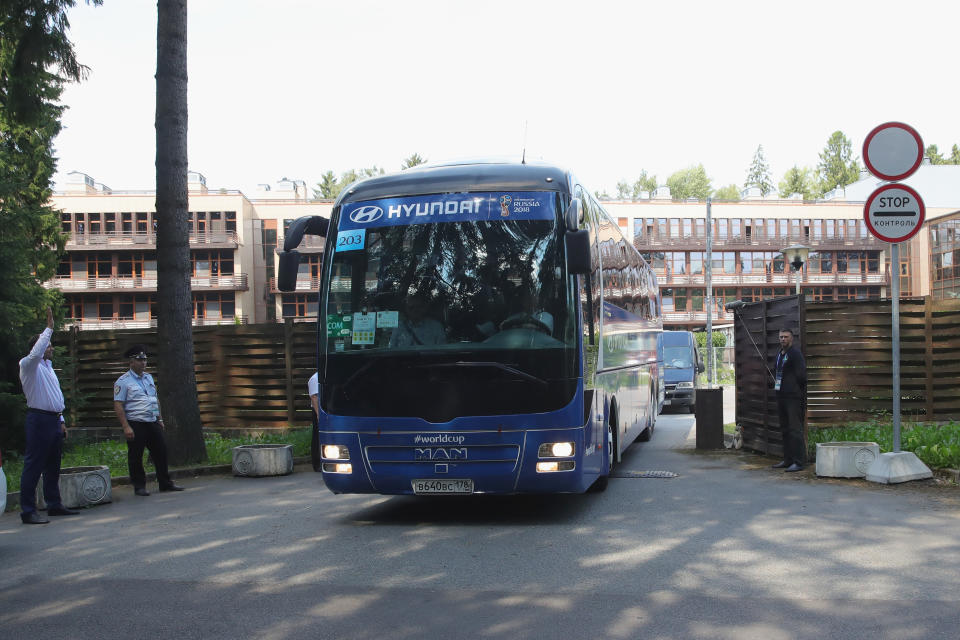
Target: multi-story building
{"points": [[748, 237], [109, 272]]}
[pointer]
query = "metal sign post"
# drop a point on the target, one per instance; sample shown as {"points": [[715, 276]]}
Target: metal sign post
{"points": [[709, 342], [895, 337], [894, 213]]}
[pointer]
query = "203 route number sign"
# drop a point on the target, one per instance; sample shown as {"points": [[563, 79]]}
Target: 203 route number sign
{"points": [[894, 213]]}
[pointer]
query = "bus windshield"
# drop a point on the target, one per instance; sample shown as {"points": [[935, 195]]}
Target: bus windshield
{"points": [[460, 297]]}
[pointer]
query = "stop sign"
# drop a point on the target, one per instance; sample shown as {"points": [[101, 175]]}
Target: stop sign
{"points": [[894, 213]]}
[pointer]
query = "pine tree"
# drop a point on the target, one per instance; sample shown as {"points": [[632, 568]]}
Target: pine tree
{"points": [[837, 167], [176, 382], [759, 173]]}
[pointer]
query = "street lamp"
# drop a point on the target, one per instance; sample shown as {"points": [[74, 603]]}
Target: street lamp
{"points": [[796, 255]]}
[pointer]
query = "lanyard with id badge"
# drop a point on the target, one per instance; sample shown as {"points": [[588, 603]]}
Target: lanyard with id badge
{"points": [[781, 360]]}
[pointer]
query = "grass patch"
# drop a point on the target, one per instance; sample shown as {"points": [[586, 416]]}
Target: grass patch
{"points": [[113, 453], [730, 427], [937, 446]]}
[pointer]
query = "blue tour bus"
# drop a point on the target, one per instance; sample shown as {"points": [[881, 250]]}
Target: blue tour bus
{"points": [[484, 328]]}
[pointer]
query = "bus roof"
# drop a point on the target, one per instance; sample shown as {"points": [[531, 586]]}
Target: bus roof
{"points": [[454, 177]]}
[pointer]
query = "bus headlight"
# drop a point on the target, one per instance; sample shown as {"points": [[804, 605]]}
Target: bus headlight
{"points": [[684, 385], [336, 452], [337, 467], [555, 450]]}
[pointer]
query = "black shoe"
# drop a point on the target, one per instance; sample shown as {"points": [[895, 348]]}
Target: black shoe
{"points": [[781, 465], [140, 491], [33, 518], [61, 511], [794, 467], [171, 487]]}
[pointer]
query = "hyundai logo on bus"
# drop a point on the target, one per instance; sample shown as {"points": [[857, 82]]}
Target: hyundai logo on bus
{"points": [[451, 453], [366, 215], [894, 212]]}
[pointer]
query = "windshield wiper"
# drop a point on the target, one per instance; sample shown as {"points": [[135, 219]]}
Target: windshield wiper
{"points": [[494, 365]]}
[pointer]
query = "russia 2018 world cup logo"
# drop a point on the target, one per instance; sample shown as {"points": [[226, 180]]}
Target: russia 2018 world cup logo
{"points": [[505, 202]]}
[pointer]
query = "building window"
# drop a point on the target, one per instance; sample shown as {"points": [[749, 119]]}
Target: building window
{"points": [[687, 227], [131, 265], [696, 262], [214, 306], [696, 299], [637, 228], [674, 227], [679, 263], [299, 305], [666, 299]]}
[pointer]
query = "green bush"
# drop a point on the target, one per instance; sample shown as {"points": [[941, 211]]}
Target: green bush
{"points": [[937, 446], [113, 453]]}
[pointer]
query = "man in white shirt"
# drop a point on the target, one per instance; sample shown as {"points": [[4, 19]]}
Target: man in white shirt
{"points": [[45, 430], [313, 390]]}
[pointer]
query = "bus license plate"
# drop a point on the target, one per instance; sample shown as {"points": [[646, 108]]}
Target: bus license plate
{"points": [[433, 486]]}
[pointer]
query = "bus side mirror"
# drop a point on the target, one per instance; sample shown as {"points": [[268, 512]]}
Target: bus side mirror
{"points": [[577, 244], [305, 226], [287, 270]]}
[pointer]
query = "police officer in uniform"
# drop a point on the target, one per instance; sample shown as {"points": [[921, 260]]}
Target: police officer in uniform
{"points": [[138, 408]]}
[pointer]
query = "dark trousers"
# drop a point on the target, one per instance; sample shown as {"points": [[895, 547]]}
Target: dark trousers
{"points": [[791, 428], [149, 435], [42, 457]]}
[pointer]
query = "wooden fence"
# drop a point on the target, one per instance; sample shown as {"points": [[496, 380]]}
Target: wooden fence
{"points": [[248, 376], [847, 346], [850, 363]]}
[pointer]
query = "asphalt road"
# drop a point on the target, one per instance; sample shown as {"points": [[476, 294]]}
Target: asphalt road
{"points": [[727, 549]]}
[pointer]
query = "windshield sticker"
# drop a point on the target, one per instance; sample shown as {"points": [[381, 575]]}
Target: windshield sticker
{"points": [[388, 319], [451, 207], [338, 325], [352, 240], [364, 328]]}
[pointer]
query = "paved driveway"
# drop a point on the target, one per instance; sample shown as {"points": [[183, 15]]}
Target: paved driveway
{"points": [[726, 549]]}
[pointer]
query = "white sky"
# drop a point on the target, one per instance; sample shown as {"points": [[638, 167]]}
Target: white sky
{"points": [[292, 88]]}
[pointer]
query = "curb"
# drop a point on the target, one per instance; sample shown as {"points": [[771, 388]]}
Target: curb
{"points": [[13, 497]]}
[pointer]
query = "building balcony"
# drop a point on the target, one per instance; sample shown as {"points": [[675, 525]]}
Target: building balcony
{"points": [[755, 243], [127, 240], [130, 323], [232, 282], [304, 285], [695, 317], [769, 279]]}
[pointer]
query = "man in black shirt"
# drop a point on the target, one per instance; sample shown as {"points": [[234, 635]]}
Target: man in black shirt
{"points": [[791, 389]]}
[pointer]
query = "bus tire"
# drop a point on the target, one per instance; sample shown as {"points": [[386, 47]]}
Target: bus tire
{"points": [[610, 447]]}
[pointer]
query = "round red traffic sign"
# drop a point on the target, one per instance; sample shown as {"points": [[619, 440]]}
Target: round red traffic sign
{"points": [[893, 151], [894, 213]]}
